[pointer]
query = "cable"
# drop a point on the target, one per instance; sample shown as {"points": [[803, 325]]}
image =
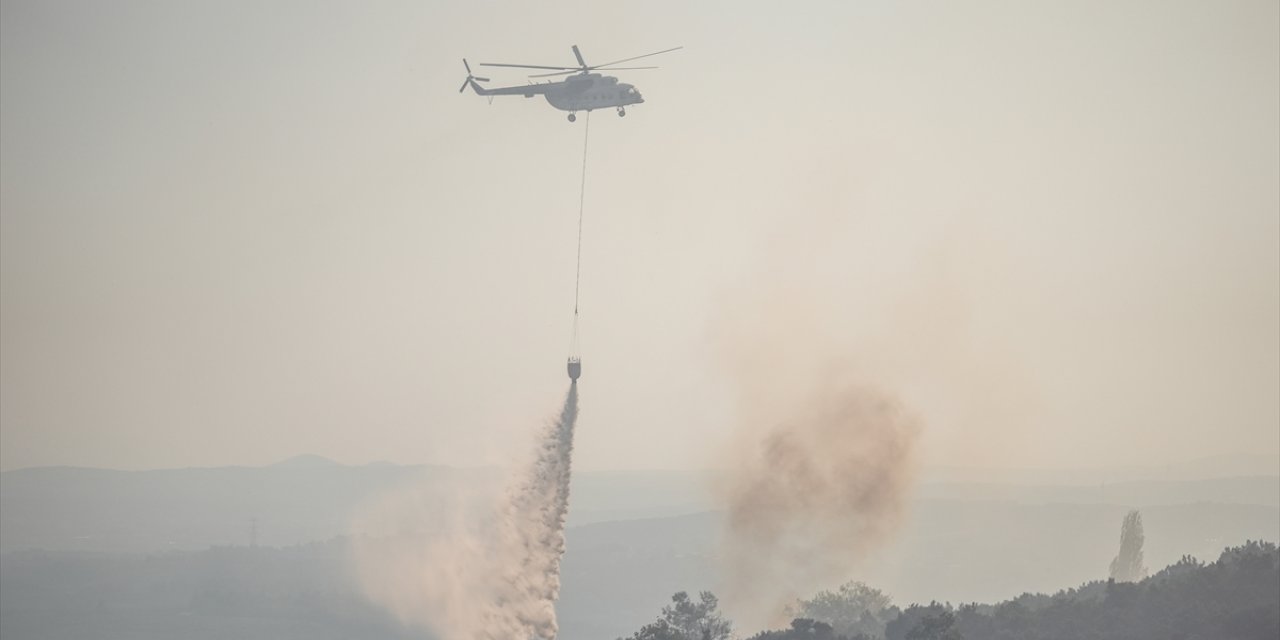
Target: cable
{"points": [[582, 198], [575, 362]]}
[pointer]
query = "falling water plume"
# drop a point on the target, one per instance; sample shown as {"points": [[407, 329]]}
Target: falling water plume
{"points": [[488, 576]]}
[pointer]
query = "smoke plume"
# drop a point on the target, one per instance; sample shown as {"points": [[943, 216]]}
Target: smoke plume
{"points": [[827, 368], [487, 575], [820, 489]]}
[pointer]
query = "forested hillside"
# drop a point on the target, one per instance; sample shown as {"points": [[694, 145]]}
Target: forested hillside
{"points": [[1236, 597]]}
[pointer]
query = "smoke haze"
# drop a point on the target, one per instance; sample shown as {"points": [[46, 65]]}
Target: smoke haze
{"points": [[472, 575], [839, 356], [1121, 234], [822, 488]]}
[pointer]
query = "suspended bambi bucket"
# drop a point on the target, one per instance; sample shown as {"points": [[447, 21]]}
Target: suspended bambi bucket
{"points": [[575, 361]]}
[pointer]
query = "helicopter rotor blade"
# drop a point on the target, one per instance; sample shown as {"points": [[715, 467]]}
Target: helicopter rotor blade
{"points": [[622, 68], [578, 54], [609, 64], [464, 84], [464, 63], [565, 73], [557, 73], [479, 79], [526, 66]]}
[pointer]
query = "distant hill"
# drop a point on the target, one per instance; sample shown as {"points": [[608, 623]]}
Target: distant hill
{"points": [[1205, 468], [311, 498], [305, 461], [292, 593], [301, 500], [1263, 490]]}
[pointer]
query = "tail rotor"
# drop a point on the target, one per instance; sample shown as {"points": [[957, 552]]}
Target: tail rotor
{"points": [[470, 78]]}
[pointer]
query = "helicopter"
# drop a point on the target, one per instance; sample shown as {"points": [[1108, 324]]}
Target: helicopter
{"points": [[582, 90]]}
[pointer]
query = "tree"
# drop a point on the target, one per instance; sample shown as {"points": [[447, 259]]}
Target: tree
{"points": [[807, 629], [912, 618], [940, 626], [659, 630], [852, 609], [685, 619], [1127, 565]]}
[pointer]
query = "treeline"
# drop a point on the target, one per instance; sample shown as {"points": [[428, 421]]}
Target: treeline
{"points": [[1235, 598]]}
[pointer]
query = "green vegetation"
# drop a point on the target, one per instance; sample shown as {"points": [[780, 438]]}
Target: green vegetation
{"points": [[1235, 598], [685, 619]]}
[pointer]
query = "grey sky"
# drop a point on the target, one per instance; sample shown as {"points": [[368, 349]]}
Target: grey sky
{"points": [[232, 232]]}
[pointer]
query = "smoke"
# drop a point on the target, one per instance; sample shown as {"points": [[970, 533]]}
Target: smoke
{"points": [[1127, 565], [477, 574], [822, 460], [819, 490], [831, 372]]}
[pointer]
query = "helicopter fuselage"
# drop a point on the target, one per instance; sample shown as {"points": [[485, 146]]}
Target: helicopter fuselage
{"points": [[592, 91], [581, 92]]}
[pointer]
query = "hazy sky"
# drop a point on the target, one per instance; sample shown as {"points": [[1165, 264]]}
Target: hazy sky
{"points": [[231, 232]]}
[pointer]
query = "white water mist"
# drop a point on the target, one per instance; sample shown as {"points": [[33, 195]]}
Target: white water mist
{"points": [[467, 574]]}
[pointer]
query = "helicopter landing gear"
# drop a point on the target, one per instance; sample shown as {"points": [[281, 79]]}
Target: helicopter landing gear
{"points": [[622, 112], [573, 117]]}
